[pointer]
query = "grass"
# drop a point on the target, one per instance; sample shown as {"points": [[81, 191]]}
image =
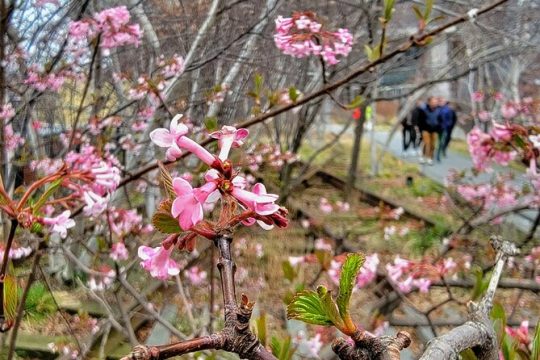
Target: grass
{"points": [[39, 302]]}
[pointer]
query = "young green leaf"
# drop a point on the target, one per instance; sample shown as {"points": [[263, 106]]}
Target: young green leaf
{"points": [[293, 94], [283, 350], [307, 306], [166, 180], [211, 123], [288, 271], [418, 12], [163, 220], [10, 299], [330, 307], [429, 7], [357, 101], [51, 189], [260, 328], [349, 272], [388, 9], [258, 84]]}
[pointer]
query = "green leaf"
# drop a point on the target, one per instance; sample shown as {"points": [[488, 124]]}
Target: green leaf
{"points": [[357, 101], [288, 271], [283, 350], [259, 80], [330, 307], [388, 9], [260, 328], [468, 354], [293, 94], [167, 181], [535, 352], [51, 189], [429, 7], [418, 12], [480, 285], [349, 272], [163, 220], [508, 348], [211, 123], [307, 306], [11, 297]]}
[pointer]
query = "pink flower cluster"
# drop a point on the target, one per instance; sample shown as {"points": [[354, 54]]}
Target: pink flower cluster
{"points": [[6, 112], [521, 334], [269, 155], [482, 146], [489, 196], [16, 252], [104, 173], [41, 80], [401, 273], [326, 207], [302, 35], [59, 224], [12, 140], [220, 182], [196, 276], [113, 26], [368, 271]]}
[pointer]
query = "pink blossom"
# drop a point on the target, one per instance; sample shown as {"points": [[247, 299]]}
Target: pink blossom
{"points": [[368, 271], [196, 276], [119, 252], [257, 199], [7, 112], [124, 222], [113, 24], [60, 223], [12, 140], [41, 3], [168, 137], [479, 147], [521, 334], [484, 115], [199, 151], [229, 137], [422, 284], [508, 111], [325, 206], [296, 260], [158, 262], [501, 132], [406, 285], [95, 204], [187, 206], [477, 96], [80, 29]]}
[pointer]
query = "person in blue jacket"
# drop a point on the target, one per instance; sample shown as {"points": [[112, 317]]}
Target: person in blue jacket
{"points": [[429, 126], [447, 121]]}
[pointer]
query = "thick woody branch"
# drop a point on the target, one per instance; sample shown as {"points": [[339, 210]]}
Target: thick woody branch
{"points": [[477, 333]]}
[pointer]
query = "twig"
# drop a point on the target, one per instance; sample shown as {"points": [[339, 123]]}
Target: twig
{"points": [[477, 333]]}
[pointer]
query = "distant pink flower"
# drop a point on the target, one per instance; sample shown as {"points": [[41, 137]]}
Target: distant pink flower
{"points": [[484, 115], [422, 284], [368, 271], [498, 96], [7, 112], [187, 206], [477, 96], [229, 137], [158, 262], [508, 111], [295, 260], [257, 199], [119, 252], [196, 276], [405, 286], [60, 223], [479, 146], [325, 206], [521, 334]]}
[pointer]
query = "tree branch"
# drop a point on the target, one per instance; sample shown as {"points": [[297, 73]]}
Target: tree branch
{"points": [[477, 333]]}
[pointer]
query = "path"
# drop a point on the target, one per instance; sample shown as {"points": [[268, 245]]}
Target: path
{"points": [[454, 161]]}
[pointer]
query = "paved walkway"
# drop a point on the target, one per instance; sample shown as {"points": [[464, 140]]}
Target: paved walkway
{"points": [[454, 161]]}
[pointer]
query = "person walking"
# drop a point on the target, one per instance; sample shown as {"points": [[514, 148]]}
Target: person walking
{"points": [[447, 120], [409, 130], [429, 127]]}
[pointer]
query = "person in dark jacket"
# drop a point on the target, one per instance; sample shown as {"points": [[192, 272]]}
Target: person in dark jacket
{"points": [[430, 128], [447, 120], [410, 129]]}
